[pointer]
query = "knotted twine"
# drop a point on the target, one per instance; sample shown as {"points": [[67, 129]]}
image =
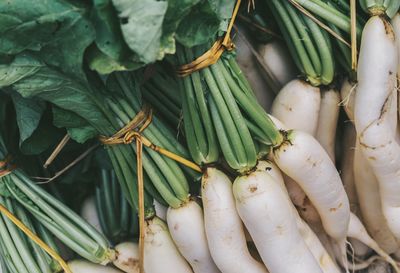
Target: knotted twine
{"points": [[133, 132], [212, 55]]}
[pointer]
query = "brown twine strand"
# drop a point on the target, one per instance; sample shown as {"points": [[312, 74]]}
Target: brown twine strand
{"points": [[133, 132], [5, 166], [56, 151], [353, 34], [212, 55]]}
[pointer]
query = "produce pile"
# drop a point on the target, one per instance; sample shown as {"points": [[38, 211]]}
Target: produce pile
{"points": [[199, 136]]}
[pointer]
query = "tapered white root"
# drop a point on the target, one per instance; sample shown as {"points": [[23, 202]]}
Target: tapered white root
{"points": [[223, 226], [347, 96], [161, 254], [127, 257], [269, 217], [304, 160], [319, 251], [89, 212], [375, 117], [186, 226], [370, 204], [83, 266], [358, 231], [297, 106], [277, 58], [251, 69], [161, 210], [327, 121]]}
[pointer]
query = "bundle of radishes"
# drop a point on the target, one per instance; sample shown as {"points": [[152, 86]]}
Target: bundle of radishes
{"points": [[295, 154]]}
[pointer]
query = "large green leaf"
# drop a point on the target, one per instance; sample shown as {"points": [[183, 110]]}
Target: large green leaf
{"points": [[109, 37], [199, 26], [77, 127], [177, 10], [141, 25], [28, 115], [104, 64], [44, 137], [50, 84], [57, 29]]}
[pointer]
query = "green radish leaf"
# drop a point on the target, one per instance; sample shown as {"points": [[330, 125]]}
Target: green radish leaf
{"points": [[42, 138], [104, 64], [141, 25], [78, 128], [50, 84], [57, 29], [222, 8], [109, 39], [177, 10], [82, 134], [199, 26], [28, 115]]}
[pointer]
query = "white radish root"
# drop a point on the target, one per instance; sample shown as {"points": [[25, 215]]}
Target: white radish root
{"points": [[277, 58], [327, 121], [160, 252], [303, 159], [374, 119], [267, 213], [83, 266], [127, 257], [297, 106], [370, 205], [347, 95], [186, 225], [320, 253], [161, 210], [251, 69], [358, 231], [224, 229], [89, 213]]}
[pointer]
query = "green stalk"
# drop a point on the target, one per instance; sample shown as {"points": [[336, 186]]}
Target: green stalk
{"points": [[325, 51], [113, 209], [65, 224], [288, 26]]}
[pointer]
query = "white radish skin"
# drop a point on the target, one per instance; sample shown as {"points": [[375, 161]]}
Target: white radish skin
{"points": [[327, 121], [299, 198], [347, 170], [89, 213], [265, 210], [314, 245], [186, 225], [83, 266], [347, 175], [326, 262], [376, 71], [297, 106], [304, 160], [160, 252], [358, 231], [374, 124], [127, 257], [277, 58], [396, 28], [161, 210], [224, 229], [370, 205], [251, 69], [347, 94]]}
